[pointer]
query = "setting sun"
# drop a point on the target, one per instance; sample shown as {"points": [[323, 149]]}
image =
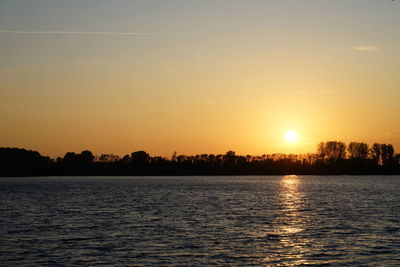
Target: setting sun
{"points": [[291, 136], [261, 129]]}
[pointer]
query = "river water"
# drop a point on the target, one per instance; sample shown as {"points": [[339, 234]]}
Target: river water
{"points": [[200, 221]]}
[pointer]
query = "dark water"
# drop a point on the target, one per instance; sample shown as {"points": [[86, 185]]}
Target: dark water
{"points": [[188, 221]]}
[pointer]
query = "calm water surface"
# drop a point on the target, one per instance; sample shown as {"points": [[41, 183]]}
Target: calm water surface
{"points": [[188, 221]]}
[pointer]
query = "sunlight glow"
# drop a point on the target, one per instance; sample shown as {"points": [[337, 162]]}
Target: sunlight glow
{"points": [[291, 136]]}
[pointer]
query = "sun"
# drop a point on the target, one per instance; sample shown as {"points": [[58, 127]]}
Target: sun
{"points": [[291, 136]]}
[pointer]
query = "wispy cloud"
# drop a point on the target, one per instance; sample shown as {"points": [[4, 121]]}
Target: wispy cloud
{"points": [[94, 33], [320, 92], [393, 133], [366, 48]]}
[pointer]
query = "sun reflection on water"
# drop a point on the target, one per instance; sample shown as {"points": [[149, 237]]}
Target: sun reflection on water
{"points": [[292, 201], [293, 243]]}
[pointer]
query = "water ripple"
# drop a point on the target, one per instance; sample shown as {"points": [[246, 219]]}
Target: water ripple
{"points": [[200, 221]]}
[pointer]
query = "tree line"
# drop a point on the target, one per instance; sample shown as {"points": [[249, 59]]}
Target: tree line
{"points": [[333, 157]]}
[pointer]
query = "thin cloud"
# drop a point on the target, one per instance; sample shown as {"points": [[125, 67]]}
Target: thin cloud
{"points": [[94, 33], [320, 92], [393, 133], [366, 48]]}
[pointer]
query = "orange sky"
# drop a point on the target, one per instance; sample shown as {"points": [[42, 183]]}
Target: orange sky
{"points": [[198, 76]]}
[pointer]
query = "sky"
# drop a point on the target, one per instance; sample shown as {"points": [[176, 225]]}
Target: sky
{"points": [[197, 76]]}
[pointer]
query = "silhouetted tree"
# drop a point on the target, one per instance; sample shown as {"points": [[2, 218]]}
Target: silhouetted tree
{"points": [[86, 156], [397, 159], [358, 151], [321, 150], [387, 154], [332, 150], [15, 161], [108, 158], [69, 157], [140, 158], [229, 158], [173, 157], [82, 158], [376, 153], [329, 159], [126, 159]]}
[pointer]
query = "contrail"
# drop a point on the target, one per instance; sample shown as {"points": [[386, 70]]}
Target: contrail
{"points": [[95, 33]]}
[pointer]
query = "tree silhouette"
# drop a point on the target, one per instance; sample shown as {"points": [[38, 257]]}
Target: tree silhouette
{"points": [[140, 158], [387, 154], [358, 151], [329, 159], [86, 156], [376, 153], [16, 162], [332, 150]]}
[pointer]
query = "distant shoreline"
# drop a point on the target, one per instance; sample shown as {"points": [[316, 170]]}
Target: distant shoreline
{"points": [[330, 159], [201, 175], [195, 174]]}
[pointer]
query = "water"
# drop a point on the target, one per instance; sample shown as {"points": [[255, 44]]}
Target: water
{"points": [[189, 221]]}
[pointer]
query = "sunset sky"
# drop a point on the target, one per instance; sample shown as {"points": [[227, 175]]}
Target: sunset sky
{"points": [[198, 76]]}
